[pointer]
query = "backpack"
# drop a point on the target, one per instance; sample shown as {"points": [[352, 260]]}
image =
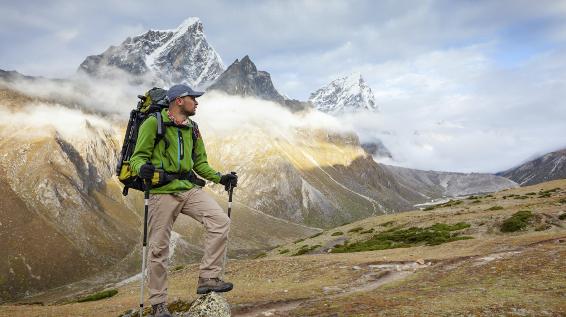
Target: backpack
{"points": [[149, 104]]}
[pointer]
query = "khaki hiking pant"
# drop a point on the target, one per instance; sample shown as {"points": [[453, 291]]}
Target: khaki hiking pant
{"points": [[163, 210]]}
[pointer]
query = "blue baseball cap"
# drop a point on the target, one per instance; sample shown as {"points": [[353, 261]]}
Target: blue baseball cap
{"points": [[182, 90]]}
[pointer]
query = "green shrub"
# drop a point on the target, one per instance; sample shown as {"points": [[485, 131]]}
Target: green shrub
{"points": [[476, 201], [531, 193], [260, 255], [429, 208], [562, 216], [98, 296], [178, 267], [299, 241], [547, 193], [562, 201], [446, 227], [367, 231], [517, 221], [403, 238], [284, 251], [356, 229], [472, 197], [495, 208], [306, 249], [387, 224], [337, 233], [522, 197]]}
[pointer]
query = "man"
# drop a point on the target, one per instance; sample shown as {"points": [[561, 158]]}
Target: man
{"points": [[176, 156]]}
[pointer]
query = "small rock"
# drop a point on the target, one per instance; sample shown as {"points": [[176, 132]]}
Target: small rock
{"points": [[210, 304], [331, 289], [420, 262], [285, 291], [355, 267]]}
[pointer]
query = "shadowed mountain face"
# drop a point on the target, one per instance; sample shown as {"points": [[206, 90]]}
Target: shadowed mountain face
{"points": [[548, 167], [243, 79]]}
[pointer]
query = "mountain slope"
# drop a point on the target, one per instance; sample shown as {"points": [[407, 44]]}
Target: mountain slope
{"points": [[545, 168], [63, 216], [182, 55], [448, 184]]}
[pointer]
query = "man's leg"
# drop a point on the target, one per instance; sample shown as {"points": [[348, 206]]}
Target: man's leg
{"points": [[163, 209], [200, 206]]}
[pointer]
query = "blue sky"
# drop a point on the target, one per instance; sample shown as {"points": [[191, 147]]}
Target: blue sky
{"points": [[483, 69]]}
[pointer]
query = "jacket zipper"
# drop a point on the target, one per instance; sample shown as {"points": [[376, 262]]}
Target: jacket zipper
{"points": [[181, 152]]}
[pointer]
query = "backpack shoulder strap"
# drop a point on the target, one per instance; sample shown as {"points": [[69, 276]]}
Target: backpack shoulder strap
{"points": [[160, 129], [195, 135]]}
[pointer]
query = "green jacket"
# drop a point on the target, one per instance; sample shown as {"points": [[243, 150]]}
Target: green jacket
{"points": [[171, 160]]}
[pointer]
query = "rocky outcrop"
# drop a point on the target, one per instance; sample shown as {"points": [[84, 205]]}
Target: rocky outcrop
{"points": [[211, 304]]}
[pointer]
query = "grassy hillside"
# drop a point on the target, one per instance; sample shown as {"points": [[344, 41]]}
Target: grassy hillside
{"points": [[519, 273]]}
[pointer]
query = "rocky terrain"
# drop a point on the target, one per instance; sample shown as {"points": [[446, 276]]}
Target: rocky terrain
{"points": [[518, 273]]}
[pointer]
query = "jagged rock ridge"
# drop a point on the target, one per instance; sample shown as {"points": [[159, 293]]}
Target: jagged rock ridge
{"points": [[243, 79], [343, 95], [182, 55]]}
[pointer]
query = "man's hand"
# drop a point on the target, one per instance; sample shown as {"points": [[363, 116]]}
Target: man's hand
{"points": [[147, 170], [229, 180]]}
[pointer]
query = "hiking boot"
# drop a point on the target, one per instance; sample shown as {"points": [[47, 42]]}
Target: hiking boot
{"points": [[207, 285], [160, 310]]}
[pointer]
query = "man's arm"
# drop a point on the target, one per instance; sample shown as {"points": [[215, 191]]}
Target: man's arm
{"points": [[200, 162], [145, 144]]}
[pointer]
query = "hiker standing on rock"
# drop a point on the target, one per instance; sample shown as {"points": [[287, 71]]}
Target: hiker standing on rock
{"points": [[175, 156]]}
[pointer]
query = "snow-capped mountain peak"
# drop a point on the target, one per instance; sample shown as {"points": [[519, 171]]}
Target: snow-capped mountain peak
{"points": [[181, 55], [346, 94]]}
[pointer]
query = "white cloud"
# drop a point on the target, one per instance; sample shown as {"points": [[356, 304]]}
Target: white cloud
{"points": [[491, 72]]}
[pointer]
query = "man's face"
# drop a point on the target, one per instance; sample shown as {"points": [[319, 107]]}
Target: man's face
{"points": [[188, 105]]}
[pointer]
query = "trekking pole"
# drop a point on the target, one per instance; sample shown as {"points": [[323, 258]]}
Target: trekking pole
{"points": [[230, 191], [146, 210]]}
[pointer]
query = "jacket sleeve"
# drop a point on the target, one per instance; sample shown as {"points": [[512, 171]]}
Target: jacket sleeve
{"points": [[145, 144], [200, 163]]}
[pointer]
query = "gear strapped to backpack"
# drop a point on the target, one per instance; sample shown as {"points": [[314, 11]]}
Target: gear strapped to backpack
{"points": [[150, 104]]}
